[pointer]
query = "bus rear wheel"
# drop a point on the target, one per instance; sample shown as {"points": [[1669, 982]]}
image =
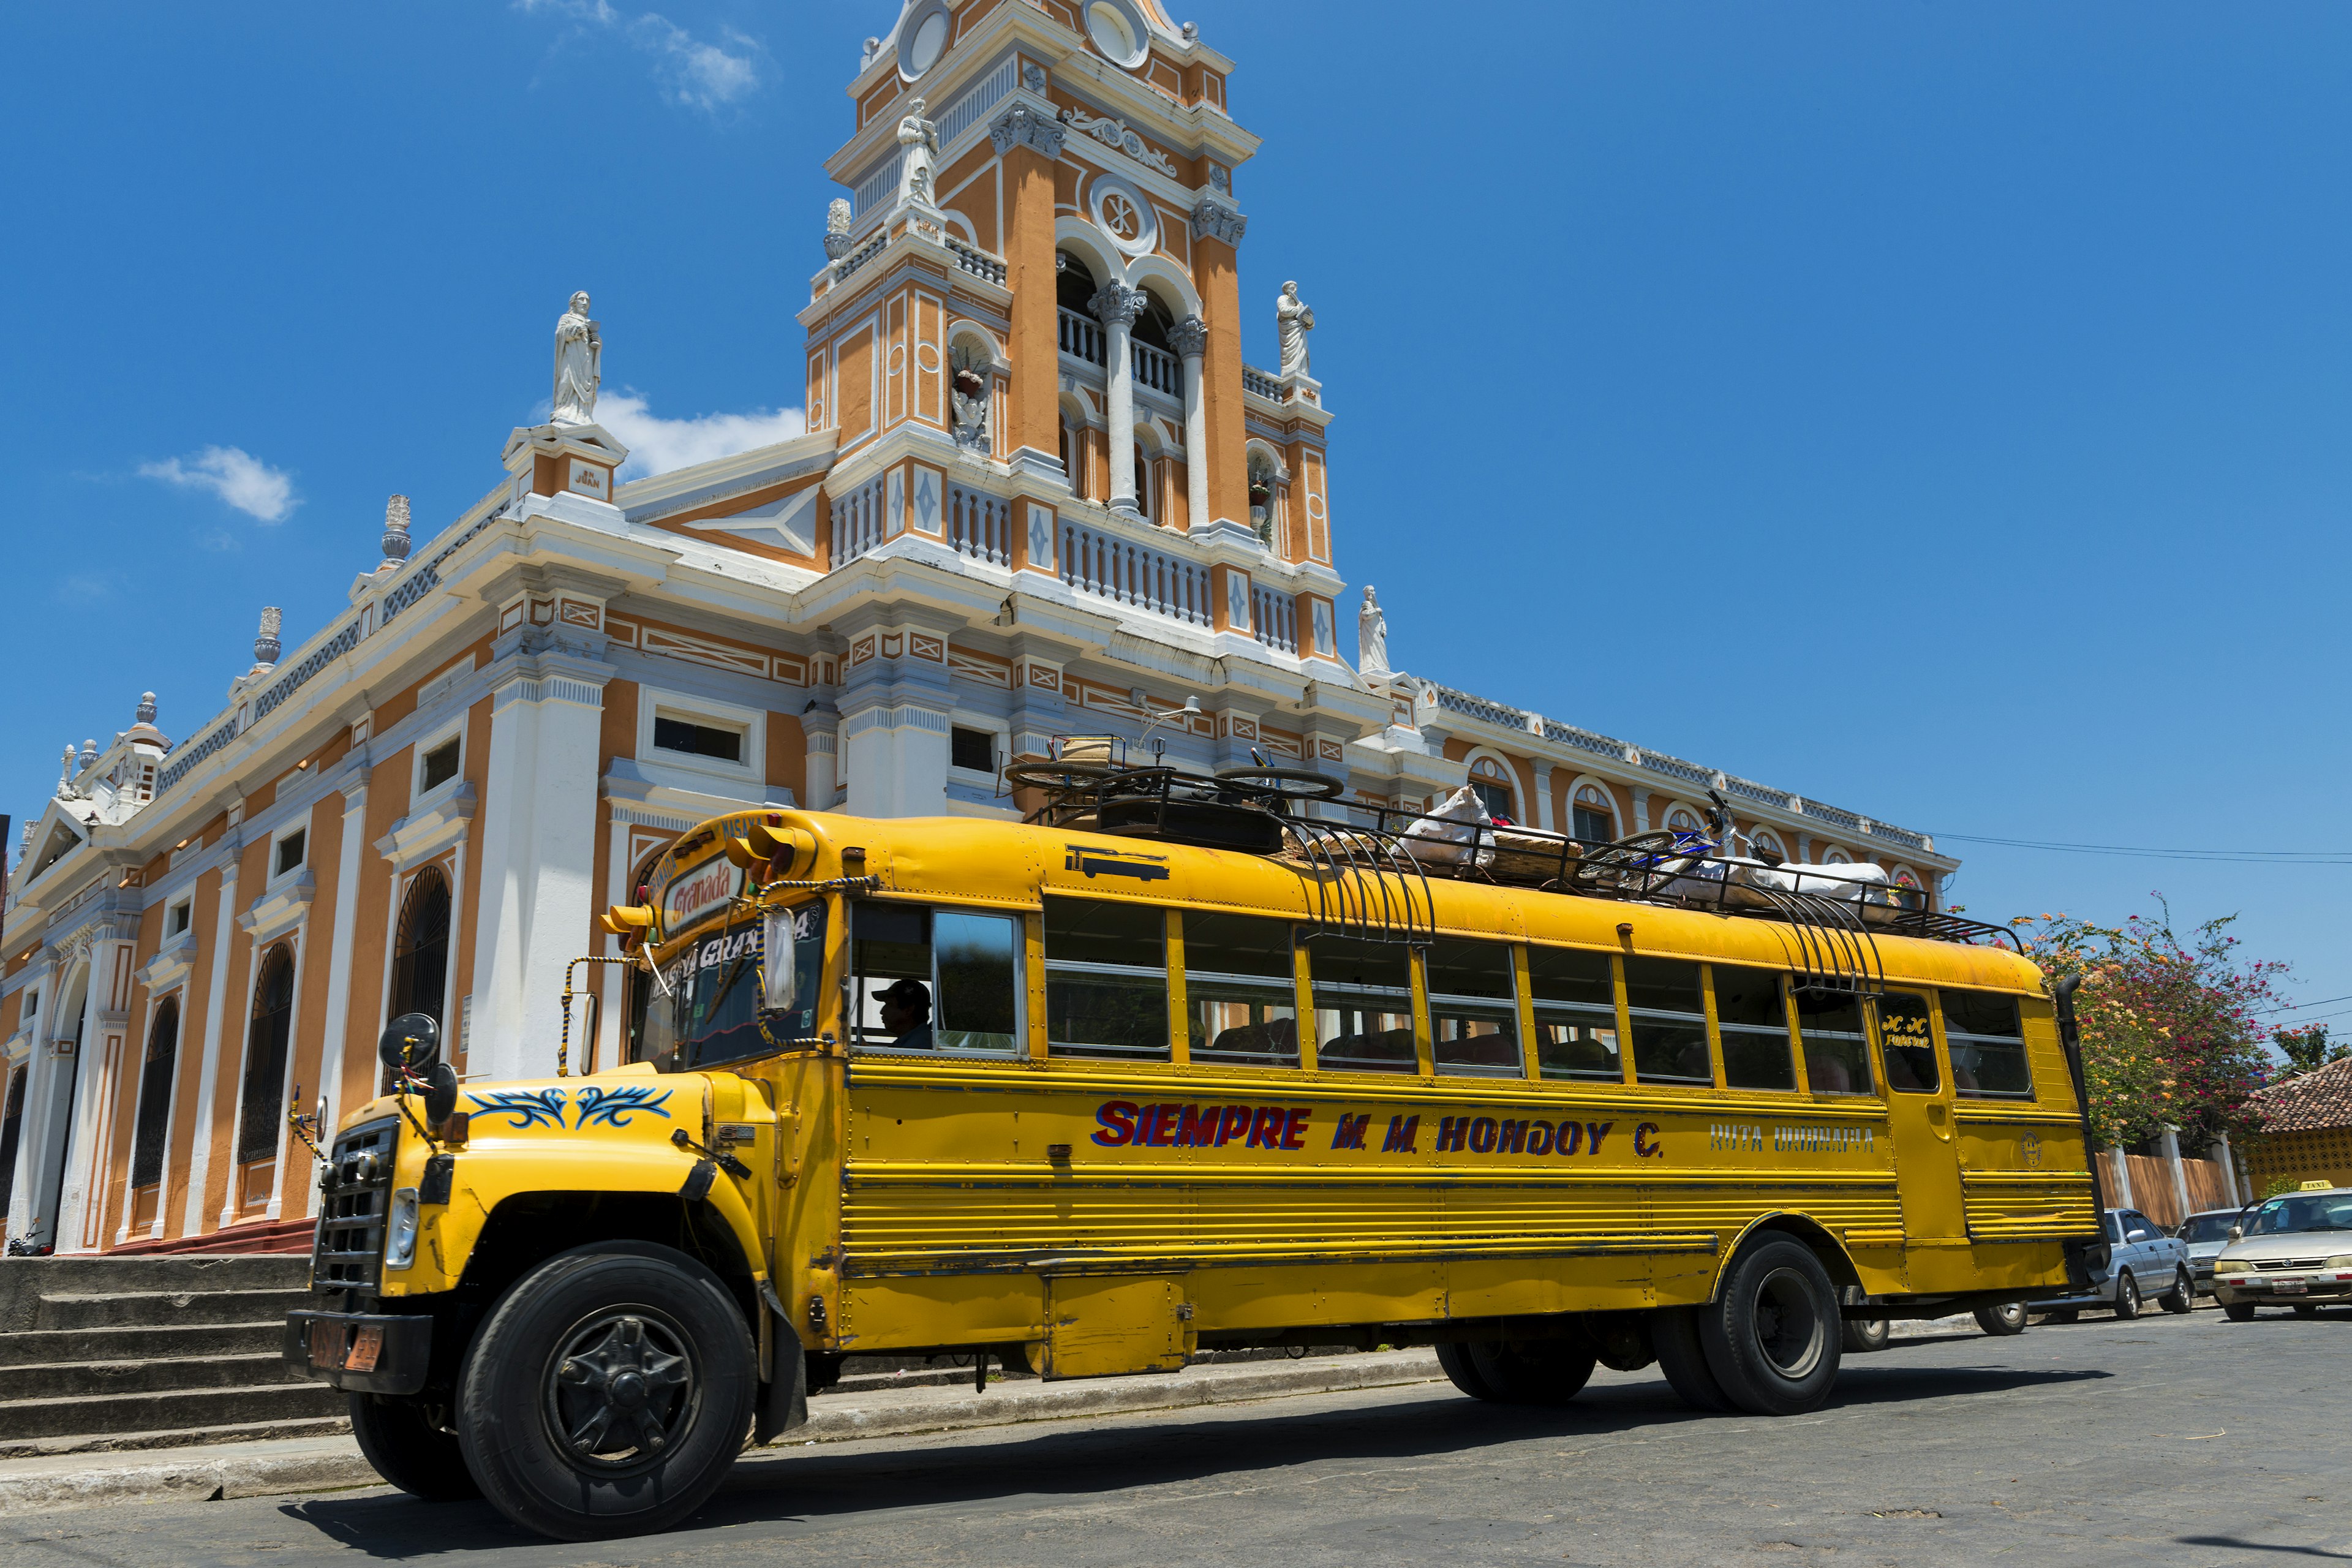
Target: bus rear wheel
{"points": [[1673, 1332], [608, 1393], [1773, 1334], [1505, 1372]]}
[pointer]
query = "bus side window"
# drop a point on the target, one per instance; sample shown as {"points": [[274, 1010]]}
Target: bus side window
{"points": [[1753, 1019], [1473, 1008], [1106, 980], [1363, 1005], [1240, 989], [1987, 1044], [1576, 1013], [1837, 1052], [1910, 1046], [1668, 1012], [935, 980]]}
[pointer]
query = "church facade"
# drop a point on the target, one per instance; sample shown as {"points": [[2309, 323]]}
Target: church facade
{"points": [[1040, 494]]}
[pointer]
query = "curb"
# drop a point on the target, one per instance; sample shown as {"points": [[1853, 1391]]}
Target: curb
{"points": [[53, 1485]]}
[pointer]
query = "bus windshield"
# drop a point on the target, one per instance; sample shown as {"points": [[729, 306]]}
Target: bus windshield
{"points": [[705, 1009]]}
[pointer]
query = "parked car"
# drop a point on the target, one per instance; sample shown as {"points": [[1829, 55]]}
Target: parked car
{"points": [[2207, 1231], [2143, 1262], [2294, 1250]]}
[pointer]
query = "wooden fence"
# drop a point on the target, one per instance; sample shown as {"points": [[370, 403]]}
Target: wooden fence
{"points": [[2152, 1192]]}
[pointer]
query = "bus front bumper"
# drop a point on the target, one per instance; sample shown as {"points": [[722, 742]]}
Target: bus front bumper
{"points": [[360, 1352]]}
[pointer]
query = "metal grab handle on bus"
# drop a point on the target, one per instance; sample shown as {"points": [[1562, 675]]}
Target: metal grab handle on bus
{"points": [[563, 1044]]}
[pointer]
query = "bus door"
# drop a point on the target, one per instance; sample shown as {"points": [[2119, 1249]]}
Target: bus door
{"points": [[1919, 1117]]}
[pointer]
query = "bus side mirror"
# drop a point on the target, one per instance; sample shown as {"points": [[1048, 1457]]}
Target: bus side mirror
{"points": [[778, 965], [411, 1043]]}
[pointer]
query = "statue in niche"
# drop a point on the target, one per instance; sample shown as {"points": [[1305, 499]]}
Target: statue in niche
{"points": [[971, 369], [1293, 319], [1262, 477], [579, 365], [1372, 636], [920, 138]]}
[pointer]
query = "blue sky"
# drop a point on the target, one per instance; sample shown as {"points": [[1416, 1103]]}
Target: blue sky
{"points": [[1939, 410]]}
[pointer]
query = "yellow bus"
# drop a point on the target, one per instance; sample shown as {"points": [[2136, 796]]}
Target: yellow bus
{"points": [[1089, 1095]]}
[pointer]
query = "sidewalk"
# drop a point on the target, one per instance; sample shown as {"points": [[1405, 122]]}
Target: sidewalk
{"points": [[53, 1483]]}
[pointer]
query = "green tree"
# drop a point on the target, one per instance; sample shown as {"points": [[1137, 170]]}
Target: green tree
{"points": [[2309, 1048], [2170, 1027]]}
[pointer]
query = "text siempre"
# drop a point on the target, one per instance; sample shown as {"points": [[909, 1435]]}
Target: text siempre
{"points": [[1124, 1124]]}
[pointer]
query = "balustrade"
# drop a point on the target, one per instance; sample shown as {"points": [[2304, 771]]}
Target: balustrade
{"points": [[979, 525], [1267, 386], [979, 263], [1082, 336], [1094, 561], [859, 524], [1158, 369], [1276, 616]]}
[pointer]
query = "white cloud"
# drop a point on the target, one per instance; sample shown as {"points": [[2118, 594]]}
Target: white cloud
{"points": [[698, 75], [235, 475], [657, 444]]}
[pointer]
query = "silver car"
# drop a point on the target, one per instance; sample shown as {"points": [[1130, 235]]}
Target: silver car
{"points": [[2143, 1262], [2207, 1231], [2294, 1250]]}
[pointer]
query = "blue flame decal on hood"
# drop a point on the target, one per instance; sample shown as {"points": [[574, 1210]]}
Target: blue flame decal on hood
{"points": [[527, 1107], [613, 1107]]}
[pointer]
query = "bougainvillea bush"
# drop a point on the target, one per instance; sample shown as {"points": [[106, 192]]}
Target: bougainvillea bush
{"points": [[2171, 1026]]}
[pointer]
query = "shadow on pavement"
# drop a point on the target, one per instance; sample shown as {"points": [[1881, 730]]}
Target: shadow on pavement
{"points": [[2235, 1544], [1075, 1460]]}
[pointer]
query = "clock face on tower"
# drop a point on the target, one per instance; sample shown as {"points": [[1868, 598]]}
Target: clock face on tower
{"points": [[1117, 31]]}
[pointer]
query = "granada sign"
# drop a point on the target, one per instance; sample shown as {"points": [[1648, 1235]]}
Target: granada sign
{"points": [[694, 898]]}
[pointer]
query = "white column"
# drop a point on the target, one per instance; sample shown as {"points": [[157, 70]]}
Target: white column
{"points": [[2172, 1160], [91, 1123], [1116, 306], [26, 1176], [539, 856], [1191, 340], [1640, 810], [2229, 1173], [2123, 1180], [340, 960], [820, 779], [200, 1145], [1543, 796], [898, 761]]}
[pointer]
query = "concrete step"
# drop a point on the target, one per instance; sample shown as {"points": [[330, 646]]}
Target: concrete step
{"points": [[176, 1410], [25, 1281], [36, 1346], [186, 1437], [143, 1309], [96, 1379]]}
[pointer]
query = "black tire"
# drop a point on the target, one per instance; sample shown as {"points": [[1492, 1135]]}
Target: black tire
{"points": [[2183, 1297], [636, 1348], [410, 1453], [1863, 1336], [2126, 1297], [1673, 1334], [2305, 1309], [1540, 1372], [2238, 1311], [2063, 1315], [1771, 1333], [2002, 1321]]}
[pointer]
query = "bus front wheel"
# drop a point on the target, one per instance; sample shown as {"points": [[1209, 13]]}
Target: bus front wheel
{"points": [[1773, 1334], [608, 1393], [1542, 1372]]}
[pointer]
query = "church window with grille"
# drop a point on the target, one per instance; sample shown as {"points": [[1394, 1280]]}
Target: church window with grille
{"points": [[265, 1057], [156, 1095]]}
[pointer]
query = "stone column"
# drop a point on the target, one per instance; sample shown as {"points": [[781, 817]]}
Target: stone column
{"points": [[95, 1075], [1543, 796], [1640, 810], [341, 958], [2171, 1146], [1191, 340], [1029, 142], [2229, 1173], [21, 1201], [1116, 306], [200, 1137], [538, 854], [1217, 231], [821, 780]]}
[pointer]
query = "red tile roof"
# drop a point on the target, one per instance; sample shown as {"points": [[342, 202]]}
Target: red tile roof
{"points": [[2310, 1101]]}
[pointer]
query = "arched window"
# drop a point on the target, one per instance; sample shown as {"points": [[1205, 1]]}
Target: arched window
{"points": [[1908, 892], [1594, 816], [420, 958], [156, 1095], [1681, 819], [1764, 839], [1836, 856], [1073, 283], [1142, 481], [265, 1057], [1492, 784], [12, 1122]]}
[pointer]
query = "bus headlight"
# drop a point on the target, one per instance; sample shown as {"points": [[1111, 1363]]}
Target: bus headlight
{"points": [[400, 1234]]}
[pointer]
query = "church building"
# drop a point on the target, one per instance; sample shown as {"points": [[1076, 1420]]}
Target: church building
{"points": [[1040, 494]]}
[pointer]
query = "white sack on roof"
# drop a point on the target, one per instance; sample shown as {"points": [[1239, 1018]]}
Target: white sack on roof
{"points": [[1445, 837]]}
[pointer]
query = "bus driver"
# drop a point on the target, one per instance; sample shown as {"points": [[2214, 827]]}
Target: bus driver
{"points": [[906, 1015]]}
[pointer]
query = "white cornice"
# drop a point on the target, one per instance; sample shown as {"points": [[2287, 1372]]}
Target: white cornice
{"points": [[420, 835], [281, 909], [171, 963]]}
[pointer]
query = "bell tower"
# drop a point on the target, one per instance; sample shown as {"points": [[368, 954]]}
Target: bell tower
{"points": [[1027, 336]]}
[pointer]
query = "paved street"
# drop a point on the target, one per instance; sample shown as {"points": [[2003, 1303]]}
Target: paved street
{"points": [[2168, 1440]]}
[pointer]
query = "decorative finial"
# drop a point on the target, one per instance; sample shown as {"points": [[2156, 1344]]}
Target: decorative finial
{"points": [[24, 843], [88, 752], [265, 646], [396, 530], [837, 230], [146, 711], [1191, 32], [65, 774], [873, 48]]}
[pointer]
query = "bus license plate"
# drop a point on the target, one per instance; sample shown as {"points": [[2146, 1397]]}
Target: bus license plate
{"points": [[327, 1345], [367, 1345], [2290, 1287]]}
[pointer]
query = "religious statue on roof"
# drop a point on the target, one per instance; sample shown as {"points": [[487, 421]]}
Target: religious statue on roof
{"points": [[920, 138], [1372, 636], [579, 365], [1294, 318]]}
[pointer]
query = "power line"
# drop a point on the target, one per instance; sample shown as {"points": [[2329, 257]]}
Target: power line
{"points": [[2211, 857], [2300, 1006]]}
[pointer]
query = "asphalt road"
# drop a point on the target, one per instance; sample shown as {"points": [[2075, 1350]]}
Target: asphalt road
{"points": [[2170, 1439]]}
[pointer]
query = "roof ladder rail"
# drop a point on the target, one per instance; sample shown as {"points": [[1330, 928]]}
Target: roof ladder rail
{"points": [[1366, 885]]}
